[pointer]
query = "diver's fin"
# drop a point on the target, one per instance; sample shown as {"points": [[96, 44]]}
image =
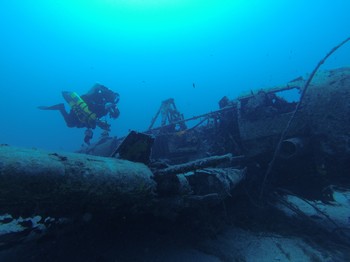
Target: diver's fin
{"points": [[54, 107]]}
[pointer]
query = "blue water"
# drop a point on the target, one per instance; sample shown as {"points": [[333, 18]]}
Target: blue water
{"points": [[148, 51]]}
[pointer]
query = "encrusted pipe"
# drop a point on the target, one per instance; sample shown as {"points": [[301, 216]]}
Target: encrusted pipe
{"points": [[34, 181], [293, 147]]}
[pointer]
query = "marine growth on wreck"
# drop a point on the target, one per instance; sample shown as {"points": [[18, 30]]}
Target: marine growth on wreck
{"points": [[174, 131]]}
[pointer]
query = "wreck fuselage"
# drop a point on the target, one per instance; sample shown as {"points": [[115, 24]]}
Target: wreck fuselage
{"points": [[317, 143], [316, 148]]}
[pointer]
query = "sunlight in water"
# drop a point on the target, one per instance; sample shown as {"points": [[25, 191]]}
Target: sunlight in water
{"points": [[148, 16]]}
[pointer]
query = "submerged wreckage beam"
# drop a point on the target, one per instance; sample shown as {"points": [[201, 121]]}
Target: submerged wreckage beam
{"points": [[199, 164], [36, 181]]}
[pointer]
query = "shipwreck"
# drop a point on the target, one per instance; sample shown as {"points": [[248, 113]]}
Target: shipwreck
{"points": [[181, 163], [260, 152], [249, 128]]}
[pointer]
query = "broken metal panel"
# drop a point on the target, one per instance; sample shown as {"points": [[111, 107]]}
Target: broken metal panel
{"points": [[135, 147]]}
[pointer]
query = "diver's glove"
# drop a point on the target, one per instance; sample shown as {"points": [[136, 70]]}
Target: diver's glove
{"points": [[112, 110], [109, 106]]}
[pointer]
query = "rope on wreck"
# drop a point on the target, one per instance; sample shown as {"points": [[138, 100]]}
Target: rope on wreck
{"points": [[284, 133]]}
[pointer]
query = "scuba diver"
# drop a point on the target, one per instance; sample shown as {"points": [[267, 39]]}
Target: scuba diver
{"points": [[87, 110]]}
